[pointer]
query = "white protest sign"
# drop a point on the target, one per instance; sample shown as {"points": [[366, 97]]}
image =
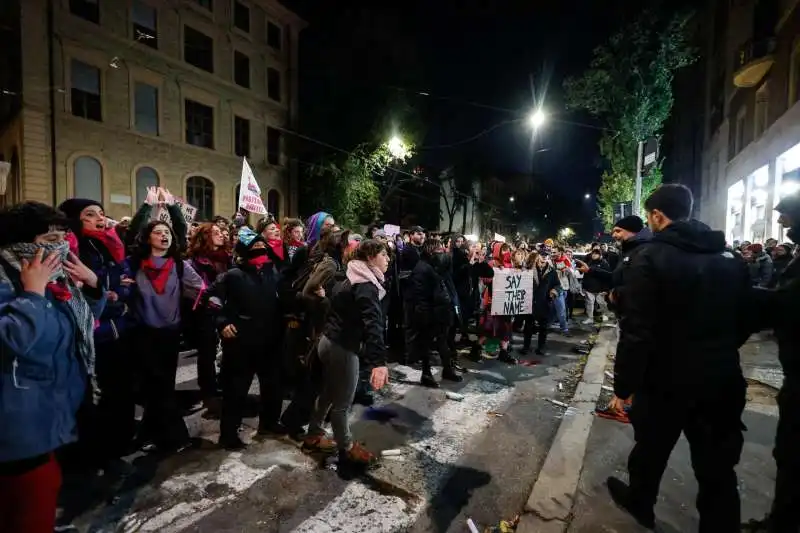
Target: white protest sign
{"points": [[250, 192], [188, 211], [499, 238], [391, 230], [512, 292]]}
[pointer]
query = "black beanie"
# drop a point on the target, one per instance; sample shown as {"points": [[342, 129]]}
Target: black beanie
{"points": [[73, 207], [630, 223], [790, 205]]}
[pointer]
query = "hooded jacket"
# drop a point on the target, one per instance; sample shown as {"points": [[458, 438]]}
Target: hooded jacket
{"points": [[430, 299], [684, 314]]}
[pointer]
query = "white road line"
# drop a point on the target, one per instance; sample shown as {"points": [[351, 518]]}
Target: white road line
{"points": [[454, 425]]}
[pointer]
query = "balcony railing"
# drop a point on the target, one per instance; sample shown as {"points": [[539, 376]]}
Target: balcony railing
{"points": [[753, 60]]}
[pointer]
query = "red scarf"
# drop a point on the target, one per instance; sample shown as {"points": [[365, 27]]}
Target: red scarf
{"points": [[220, 259], [296, 244], [276, 245], [259, 261], [60, 291], [158, 276], [110, 240]]}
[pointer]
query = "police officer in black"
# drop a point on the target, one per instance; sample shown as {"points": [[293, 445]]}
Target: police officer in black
{"points": [[683, 313], [779, 310]]}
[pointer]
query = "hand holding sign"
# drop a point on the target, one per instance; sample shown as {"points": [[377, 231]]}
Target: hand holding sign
{"points": [[152, 196]]}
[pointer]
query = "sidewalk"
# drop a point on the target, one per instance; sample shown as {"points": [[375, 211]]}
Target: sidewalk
{"points": [[609, 443]]}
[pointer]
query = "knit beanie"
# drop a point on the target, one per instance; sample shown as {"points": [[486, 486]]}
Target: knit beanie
{"points": [[630, 223]]}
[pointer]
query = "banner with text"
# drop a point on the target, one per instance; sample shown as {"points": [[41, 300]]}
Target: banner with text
{"points": [[250, 192], [512, 292], [188, 211]]}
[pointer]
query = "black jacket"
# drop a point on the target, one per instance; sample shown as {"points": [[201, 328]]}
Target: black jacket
{"points": [[356, 322], [594, 282], [430, 300], [684, 313], [409, 257], [543, 282], [248, 298]]}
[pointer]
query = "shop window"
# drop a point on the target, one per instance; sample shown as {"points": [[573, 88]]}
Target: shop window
{"points": [[88, 177], [200, 194]]}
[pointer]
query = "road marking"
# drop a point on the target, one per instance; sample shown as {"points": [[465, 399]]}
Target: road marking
{"points": [[440, 444]]}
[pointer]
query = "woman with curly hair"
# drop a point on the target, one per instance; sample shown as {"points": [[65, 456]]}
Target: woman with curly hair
{"points": [[209, 254], [293, 235]]}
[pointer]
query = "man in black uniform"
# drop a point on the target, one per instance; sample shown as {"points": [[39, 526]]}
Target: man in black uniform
{"points": [[778, 310], [683, 307]]}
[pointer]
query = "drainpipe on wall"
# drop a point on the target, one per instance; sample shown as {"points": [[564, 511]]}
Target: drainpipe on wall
{"points": [[52, 94]]}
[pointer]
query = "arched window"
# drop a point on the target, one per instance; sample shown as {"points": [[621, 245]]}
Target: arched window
{"points": [[145, 177], [88, 178], [274, 203], [200, 194], [236, 197]]}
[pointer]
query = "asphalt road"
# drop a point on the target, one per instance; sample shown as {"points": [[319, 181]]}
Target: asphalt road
{"points": [[459, 460]]}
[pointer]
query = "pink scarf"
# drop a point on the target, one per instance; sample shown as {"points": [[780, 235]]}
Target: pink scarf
{"points": [[360, 272]]}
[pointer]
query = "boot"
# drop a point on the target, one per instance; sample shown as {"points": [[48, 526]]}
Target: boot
{"points": [[450, 374], [475, 353], [505, 357], [428, 380], [621, 494]]}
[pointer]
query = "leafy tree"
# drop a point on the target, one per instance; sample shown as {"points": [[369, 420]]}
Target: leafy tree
{"points": [[456, 186], [629, 85]]}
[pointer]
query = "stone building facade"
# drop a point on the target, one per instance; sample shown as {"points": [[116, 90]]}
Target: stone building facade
{"points": [[104, 98]]}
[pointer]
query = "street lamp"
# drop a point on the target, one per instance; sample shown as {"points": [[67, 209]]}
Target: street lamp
{"points": [[397, 147], [537, 119], [566, 233], [587, 196], [511, 199]]}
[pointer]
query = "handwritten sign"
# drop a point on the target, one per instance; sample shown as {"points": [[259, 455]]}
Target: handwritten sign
{"points": [[391, 230], [512, 292], [188, 211]]}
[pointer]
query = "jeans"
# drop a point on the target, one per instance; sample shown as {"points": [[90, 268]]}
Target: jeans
{"points": [[560, 306], [591, 299], [340, 374]]}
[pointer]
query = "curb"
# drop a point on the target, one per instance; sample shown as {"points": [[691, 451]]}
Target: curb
{"points": [[550, 503]]}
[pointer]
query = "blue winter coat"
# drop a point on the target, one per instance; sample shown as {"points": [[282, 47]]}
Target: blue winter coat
{"points": [[42, 377]]}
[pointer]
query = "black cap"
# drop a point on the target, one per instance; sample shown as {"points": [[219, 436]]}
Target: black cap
{"points": [[73, 207], [417, 229], [630, 223], [790, 205]]}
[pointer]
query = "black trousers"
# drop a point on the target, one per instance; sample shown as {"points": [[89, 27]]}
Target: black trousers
{"points": [[309, 385], [785, 516], [242, 359], [711, 420], [115, 414], [203, 336], [534, 325], [426, 338], [163, 420]]}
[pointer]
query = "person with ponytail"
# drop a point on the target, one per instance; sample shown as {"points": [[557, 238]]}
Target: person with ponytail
{"points": [[161, 279], [210, 256], [108, 430], [248, 319]]}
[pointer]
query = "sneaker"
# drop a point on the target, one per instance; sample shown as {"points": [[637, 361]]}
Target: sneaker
{"points": [[566, 333], [621, 494], [588, 322], [359, 457], [318, 444]]}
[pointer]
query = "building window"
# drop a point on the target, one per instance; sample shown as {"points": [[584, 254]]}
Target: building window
{"points": [[794, 75], [145, 24], [274, 35], [85, 91], [145, 108], [738, 132], [273, 146], [86, 9], [761, 118], [200, 194], [274, 84], [241, 69], [241, 136], [274, 204], [241, 16], [198, 49], [207, 4], [88, 178], [146, 177], [199, 124]]}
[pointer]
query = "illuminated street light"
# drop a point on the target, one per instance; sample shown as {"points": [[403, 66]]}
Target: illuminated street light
{"points": [[397, 148], [566, 233], [511, 199], [587, 196], [537, 119]]}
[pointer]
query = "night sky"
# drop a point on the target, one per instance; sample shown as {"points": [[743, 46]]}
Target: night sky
{"points": [[463, 67]]}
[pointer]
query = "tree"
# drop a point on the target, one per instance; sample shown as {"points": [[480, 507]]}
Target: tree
{"points": [[456, 186], [629, 85], [350, 188]]}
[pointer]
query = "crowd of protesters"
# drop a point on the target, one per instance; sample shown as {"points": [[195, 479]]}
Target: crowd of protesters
{"points": [[94, 316]]}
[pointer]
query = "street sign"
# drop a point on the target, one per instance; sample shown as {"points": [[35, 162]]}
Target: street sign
{"points": [[650, 155], [622, 210]]}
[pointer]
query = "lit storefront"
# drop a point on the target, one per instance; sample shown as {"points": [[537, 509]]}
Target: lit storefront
{"points": [[787, 181]]}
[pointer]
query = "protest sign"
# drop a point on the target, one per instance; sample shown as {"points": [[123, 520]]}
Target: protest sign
{"points": [[499, 238], [512, 292], [391, 230], [250, 192], [188, 211]]}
